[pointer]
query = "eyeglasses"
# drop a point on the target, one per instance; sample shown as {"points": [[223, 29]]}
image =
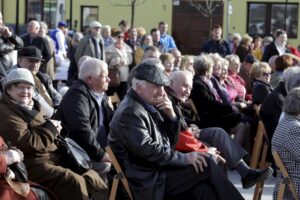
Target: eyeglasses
{"points": [[266, 74], [120, 36], [21, 88]]}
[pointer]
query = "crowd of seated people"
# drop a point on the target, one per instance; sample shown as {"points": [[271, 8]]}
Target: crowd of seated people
{"points": [[154, 82]]}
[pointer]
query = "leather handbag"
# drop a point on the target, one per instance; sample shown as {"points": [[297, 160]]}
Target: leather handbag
{"points": [[77, 158], [114, 76], [19, 169], [187, 142]]}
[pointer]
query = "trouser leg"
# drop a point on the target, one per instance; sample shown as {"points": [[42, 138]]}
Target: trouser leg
{"points": [[188, 183], [230, 149]]}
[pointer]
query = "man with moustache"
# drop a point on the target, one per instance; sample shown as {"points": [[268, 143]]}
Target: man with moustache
{"points": [[85, 112]]}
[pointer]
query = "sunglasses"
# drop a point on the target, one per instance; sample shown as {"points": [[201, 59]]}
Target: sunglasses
{"points": [[266, 74], [120, 36]]}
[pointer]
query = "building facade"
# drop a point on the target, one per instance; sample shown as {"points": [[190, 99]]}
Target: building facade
{"points": [[188, 25]]}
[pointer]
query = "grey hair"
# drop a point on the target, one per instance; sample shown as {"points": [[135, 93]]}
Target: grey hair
{"points": [[35, 22], [136, 82], [291, 78], [291, 103], [106, 28], [44, 26], [202, 64], [77, 37], [176, 74], [82, 59], [91, 67], [232, 57]]}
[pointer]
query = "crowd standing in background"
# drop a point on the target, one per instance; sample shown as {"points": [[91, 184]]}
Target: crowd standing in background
{"points": [[154, 82]]}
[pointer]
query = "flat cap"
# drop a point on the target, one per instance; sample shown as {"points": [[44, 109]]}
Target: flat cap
{"points": [[152, 74], [95, 24]]}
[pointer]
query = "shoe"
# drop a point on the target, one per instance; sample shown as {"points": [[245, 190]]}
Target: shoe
{"points": [[255, 176]]}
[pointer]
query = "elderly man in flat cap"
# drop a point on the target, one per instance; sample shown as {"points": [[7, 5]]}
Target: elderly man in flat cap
{"points": [[92, 44], [142, 136]]}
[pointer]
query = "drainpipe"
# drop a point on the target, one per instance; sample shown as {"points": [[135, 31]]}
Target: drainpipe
{"points": [[17, 17], [71, 14]]}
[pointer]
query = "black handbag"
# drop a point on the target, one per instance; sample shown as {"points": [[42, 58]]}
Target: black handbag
{"points": [[77, 158], [19, 169]]}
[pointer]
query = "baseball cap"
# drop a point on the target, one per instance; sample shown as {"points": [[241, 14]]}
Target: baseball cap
{"points": [[95, 24]]}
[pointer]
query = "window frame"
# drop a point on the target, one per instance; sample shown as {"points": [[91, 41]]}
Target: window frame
{"points": [[268, 17], [82, 7]]}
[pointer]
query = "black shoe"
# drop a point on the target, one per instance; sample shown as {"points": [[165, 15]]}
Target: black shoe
{"points": [[255, 176]]}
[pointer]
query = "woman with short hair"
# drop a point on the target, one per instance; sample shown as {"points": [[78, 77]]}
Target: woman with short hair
{"points": [[212, 111], [261, 75]]}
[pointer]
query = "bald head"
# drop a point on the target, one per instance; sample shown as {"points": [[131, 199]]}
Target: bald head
{"points": [[181, 82], [33, 27]]}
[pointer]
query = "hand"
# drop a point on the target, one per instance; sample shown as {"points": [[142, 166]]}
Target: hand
{"points": [[12, 156], [216, 155], [57, 124], [197, 159], [5, 31], [105, 158], [122, 62], [194, 129], [166, 106]]}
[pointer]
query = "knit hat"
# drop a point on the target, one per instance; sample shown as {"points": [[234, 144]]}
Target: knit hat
{"points": [[17, 76]]}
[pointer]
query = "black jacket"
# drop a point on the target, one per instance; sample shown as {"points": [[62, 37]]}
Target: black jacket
{"points": [[270, 51], [7, 45], [212, 113], [141, 139], [212, 46], [260, 91], [43, 45], [79, 112]]}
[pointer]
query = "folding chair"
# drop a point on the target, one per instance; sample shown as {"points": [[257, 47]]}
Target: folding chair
{"points": [[286, 180], [258, 157], [119, 176]]}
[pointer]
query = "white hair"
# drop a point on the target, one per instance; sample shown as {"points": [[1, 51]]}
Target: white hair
{"points": [[91, 67], [106, 28], [136, 82], [176, 75]]}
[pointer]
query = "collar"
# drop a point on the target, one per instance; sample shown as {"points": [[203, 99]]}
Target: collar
{"points": [[98, 96], [147, 106]]}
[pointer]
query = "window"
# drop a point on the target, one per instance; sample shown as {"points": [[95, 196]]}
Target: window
{"points": [[50, 11], [88, 15], [266, 18]]}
